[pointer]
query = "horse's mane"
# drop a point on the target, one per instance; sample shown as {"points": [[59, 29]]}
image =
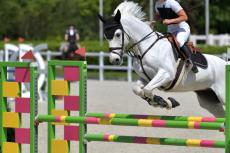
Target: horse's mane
{"points": [[131, 8]]}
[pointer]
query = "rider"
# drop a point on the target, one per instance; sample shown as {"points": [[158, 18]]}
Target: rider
{"points": [[72, 37], [174, 16]]}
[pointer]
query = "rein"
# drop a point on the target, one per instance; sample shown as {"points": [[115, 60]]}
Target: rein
{"points": [[159, 37], [140, 57]]}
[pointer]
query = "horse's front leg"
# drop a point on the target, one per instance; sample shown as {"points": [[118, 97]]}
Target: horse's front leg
{"points": [[138, 90], [138, 87], [160, 79]]}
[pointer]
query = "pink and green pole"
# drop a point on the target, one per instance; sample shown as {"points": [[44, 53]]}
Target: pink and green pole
{"points": [[158, 117], [227, 113], [131, 122], [155, 141]]}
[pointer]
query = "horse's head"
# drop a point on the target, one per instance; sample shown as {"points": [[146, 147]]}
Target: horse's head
{"points": [[115, 35]]}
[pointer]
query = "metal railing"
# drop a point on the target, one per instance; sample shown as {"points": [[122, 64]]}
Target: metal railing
{"points": [[101, 65], [214, 40]]}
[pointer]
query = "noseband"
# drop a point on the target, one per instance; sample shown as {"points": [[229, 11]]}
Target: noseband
{"points": [[113, 28]]}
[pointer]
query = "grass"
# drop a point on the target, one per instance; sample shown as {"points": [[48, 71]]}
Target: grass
{"points": [[54, 45]]}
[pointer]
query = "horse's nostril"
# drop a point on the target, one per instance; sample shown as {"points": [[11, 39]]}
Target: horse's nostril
{"points": [[117, 60]]}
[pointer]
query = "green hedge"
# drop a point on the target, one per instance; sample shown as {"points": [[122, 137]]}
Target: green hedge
{"points": [[94, 46], [54, 45]]}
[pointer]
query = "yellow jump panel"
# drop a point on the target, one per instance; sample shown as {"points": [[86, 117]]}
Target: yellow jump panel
{"points": [[59, 88], [10, 147], [59, 146], [11, 89], [11, 120]]}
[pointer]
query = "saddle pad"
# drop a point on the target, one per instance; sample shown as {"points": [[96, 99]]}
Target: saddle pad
{"points": [[199, 60]]}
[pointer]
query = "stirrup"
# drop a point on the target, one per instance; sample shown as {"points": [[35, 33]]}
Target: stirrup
{"points": [[194, 68], [189, 64]]}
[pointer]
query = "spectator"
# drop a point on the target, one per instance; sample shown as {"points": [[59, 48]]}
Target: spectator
{"points": [[72, 37]]}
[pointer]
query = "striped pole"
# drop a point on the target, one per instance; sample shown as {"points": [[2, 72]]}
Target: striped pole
{"points": [[156, 141], [227, 113], [158, 117], [131, 122]]}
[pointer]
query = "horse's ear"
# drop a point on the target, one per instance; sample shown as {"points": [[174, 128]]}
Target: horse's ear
{"points": [[101, 18], [118, 16]]}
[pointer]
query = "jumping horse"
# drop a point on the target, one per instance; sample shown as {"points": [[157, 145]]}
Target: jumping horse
{"points": [[154, 60]]}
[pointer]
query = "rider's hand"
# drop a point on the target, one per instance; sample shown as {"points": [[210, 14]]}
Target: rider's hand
{"points": [[167, 21]]}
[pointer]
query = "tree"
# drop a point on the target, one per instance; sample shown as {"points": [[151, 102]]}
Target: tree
{"points": [[48, 19]]}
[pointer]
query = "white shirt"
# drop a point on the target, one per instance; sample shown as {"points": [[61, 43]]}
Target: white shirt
{"points": [[176, 7]]}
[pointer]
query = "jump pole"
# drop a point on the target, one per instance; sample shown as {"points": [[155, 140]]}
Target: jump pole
{"points": [[227, 112], [130, 122], [155, 141], [157, 117]]}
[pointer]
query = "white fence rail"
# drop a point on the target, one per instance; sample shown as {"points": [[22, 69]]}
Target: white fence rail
{"points": [[101, 66], [214, 40]]}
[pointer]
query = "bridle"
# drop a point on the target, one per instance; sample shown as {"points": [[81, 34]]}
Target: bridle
{"points": [[112, 49], [133, 55]]}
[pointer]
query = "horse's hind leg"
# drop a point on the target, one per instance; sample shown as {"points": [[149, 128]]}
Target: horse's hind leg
{"points": [[219, 89], [220, 95], [209, 100]]}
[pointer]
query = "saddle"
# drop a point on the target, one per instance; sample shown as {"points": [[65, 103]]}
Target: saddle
{"points": [[197, 57]]}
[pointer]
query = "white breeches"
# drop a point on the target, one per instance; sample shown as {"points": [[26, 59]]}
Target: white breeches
{"points": [[182, 35]]}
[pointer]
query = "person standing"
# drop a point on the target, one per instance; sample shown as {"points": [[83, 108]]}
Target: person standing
{"points": [[72, 37]]}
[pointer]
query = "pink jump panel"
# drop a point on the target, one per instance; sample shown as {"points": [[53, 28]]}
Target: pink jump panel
{"points": [[71, 103], [22, 75], [71, 73], [22, 105], [71, 133], [22, 135]]}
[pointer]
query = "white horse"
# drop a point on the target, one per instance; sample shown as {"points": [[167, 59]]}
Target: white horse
{"points": [[153, 58]]}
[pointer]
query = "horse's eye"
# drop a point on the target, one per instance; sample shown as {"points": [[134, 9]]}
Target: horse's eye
{"points": [[118, 35]]}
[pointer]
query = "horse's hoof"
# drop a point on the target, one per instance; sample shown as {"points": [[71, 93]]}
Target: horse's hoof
{"points": [[150, 102], [160, 101], [173, 102]]}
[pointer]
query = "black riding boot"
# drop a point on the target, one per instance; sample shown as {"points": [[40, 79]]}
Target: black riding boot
{"points": [[188, 53]]}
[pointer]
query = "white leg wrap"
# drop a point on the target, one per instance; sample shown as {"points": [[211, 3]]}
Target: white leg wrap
{"points": [[169, 104], [138, 90]]}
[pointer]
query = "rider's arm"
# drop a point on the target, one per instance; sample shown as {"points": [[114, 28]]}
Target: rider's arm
{"points": [[182, 16], [176, 7]]}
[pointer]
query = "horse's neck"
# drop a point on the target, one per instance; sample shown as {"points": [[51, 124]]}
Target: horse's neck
{"points": [[137, 30]]}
